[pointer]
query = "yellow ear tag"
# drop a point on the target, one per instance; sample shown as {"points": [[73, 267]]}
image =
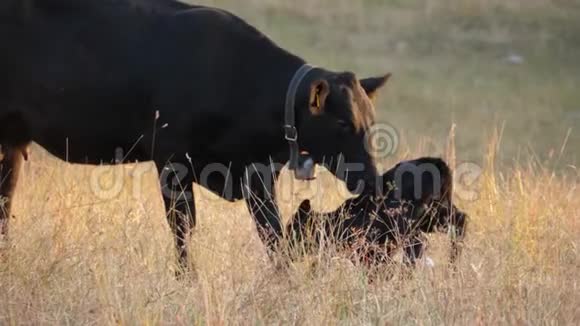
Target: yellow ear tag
{"points": [[318, 101]]}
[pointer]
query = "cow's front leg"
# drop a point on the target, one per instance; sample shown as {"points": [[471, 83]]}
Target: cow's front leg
{"points": [[177, 190], [258, 190], [297, 228]]}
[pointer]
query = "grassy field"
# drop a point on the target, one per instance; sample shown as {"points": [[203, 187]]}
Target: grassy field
{"points": [[503, 76]]}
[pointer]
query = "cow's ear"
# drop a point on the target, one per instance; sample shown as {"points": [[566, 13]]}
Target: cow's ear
{"points": [[372, 85], [319, 91]]}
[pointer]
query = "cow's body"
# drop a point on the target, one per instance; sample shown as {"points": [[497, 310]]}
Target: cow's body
{"points": [[87, 83], [416, 199], [86, 78]]}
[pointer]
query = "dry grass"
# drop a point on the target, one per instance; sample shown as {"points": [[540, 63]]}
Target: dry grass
{"points": [[76, 260]]}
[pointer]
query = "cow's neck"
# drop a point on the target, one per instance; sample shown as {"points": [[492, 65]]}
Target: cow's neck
{"points": [[276, 74]]}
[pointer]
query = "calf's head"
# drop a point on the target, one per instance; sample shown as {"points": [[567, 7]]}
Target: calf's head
{"points": [[333, 129], [420, 193]]}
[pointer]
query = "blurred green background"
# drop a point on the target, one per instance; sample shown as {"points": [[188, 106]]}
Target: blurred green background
{"points": [[511, 67]]}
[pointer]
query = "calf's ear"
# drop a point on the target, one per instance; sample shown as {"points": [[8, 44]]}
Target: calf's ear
{"points": [[372, 85], [319, 91]]}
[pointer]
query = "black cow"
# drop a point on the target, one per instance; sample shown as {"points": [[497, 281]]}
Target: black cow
{"points": [[187, 87], [415, 198]]}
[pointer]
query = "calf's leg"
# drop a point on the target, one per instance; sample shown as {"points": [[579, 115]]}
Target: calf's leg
{"points": [[414, 248]]}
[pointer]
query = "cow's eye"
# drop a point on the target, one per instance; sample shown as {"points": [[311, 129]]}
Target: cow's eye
{"points": [[344, 125]]}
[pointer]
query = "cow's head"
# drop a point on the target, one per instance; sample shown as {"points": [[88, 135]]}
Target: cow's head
{"points": [[333, 130]]}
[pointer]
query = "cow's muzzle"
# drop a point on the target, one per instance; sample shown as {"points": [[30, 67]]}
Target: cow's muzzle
{"points": [[306, 169]]}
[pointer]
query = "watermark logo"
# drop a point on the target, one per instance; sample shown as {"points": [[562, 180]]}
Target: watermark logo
{"points": [[382, 140], [466, 176], [409, 180], [425, 177]]}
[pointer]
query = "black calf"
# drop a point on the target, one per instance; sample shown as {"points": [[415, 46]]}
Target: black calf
{"points": [[415, 197]]}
